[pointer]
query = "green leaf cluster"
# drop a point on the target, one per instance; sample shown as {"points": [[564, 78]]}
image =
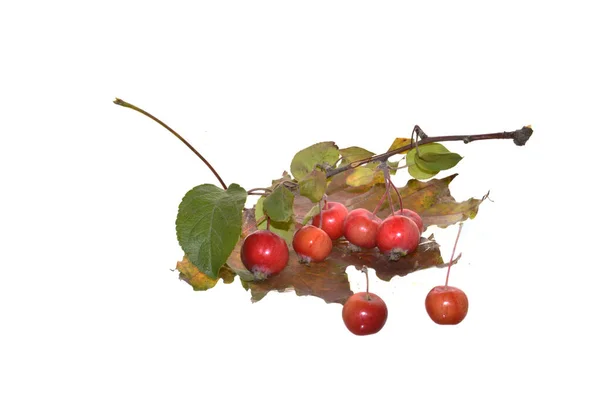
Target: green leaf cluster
{"points": [[428, 160]]}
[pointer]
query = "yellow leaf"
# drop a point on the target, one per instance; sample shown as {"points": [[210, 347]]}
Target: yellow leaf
{"points": [[399, 143], [360, 176], [199, 281]]}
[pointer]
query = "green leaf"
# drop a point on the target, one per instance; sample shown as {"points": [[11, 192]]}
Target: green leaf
{"points": [[279, 205], [414, 170], [324, 154], [438, 161], [313, 185], [285, 177], [420, 168], [285, 229], [361, 176], [209, 224], [352, 154], [311, 213], [393, 166]]}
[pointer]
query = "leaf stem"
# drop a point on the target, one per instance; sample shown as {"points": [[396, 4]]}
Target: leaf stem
{"points": [[453, 251], [519, 137], [125, 104]]}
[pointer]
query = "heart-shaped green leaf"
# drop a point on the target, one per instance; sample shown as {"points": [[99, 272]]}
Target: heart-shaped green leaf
{"points": [[209, 224]]}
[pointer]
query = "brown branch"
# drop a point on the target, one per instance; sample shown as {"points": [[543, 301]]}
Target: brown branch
{"points": [[125, 104], [519, 137]]}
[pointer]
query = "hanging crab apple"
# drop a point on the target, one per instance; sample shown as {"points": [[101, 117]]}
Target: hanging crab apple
{"points": [[364, 313], [331, 219], [398, 236], [312, 244], [360, 228], [447, 305], [413, 215], [264, 253]]}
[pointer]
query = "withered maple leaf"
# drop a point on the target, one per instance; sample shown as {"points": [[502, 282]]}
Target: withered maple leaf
{"points": [[328, 280]]}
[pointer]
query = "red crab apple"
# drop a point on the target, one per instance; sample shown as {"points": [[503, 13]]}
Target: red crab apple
{"points": [[264, 253], [446, 305], [333, 215], [398, 236], [360, 228], [413, 215], [364, 313], [312, 244]]}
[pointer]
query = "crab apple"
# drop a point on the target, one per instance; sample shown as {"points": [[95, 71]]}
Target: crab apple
{"points": [[446, 305], [413, 215], [398, 236], [264, 253], [360, 228], [333, 215], [312, 244], [364, 313]]}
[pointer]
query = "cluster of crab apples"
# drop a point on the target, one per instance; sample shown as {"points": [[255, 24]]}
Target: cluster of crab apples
{"points": [[265, 254]]}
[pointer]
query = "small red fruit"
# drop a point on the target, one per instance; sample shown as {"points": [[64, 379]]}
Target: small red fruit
{"points": [[360, 228], [333, 214], [398, 236], [264, 253], [446, 305], [312, 244], [413, 215], [364, 313]]}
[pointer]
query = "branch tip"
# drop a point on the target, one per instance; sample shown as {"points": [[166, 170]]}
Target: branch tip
{"points": [[522, 135]]}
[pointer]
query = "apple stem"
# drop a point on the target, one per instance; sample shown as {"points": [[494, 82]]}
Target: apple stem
{"points": [[365, 269], [320, 215], [397, 193], [453, 251], [125, 104], [268, 223], [379, 204], [519, 137], [388, 181]]}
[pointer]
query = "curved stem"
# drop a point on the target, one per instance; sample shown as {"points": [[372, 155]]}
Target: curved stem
{"points": [[453, 251], [397, 193], [519, 137], [388, 183], [255, 191], [119, 101], [268, 223]]}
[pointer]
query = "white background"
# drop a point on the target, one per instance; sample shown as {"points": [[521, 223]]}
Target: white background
{"points": [[89, 306]]}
